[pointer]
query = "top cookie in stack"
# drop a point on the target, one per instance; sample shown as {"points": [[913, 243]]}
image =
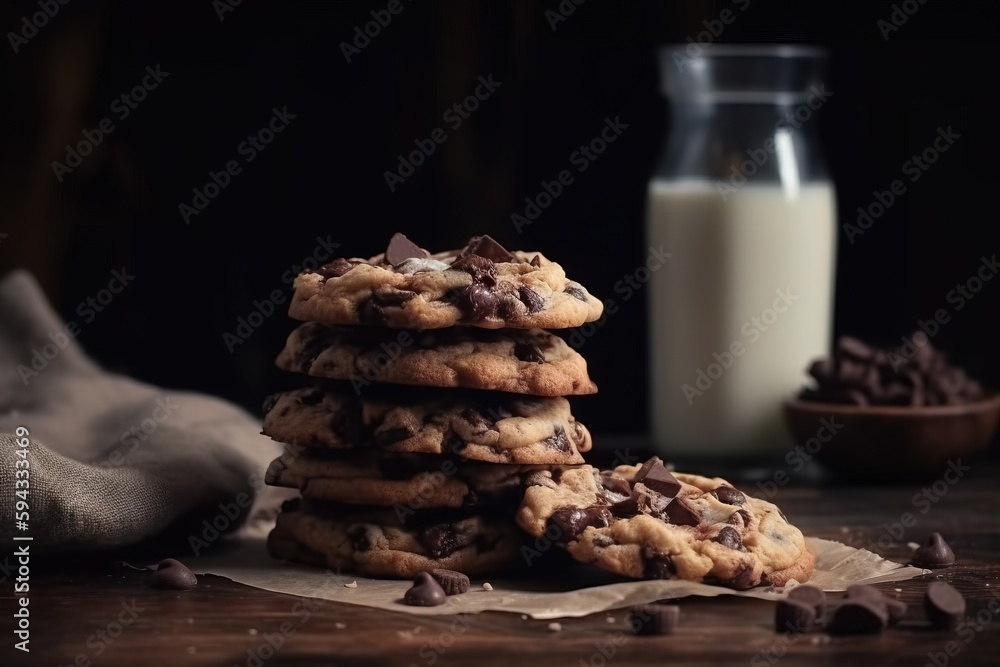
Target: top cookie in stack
{"points": [[484, 408]]}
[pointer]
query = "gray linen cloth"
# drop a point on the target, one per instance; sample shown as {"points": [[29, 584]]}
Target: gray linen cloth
{"points": [[113, 462]]}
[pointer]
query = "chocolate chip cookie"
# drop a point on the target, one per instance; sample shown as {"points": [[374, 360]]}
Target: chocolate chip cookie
{"points": [[480, 426], [642, 521], [521, 361], [377, 544], [481, 285], [372, 477]]}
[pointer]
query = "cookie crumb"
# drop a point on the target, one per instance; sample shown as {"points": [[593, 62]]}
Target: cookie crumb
{"points": [[487, 586], [252, 631], [913, 545], [340, 626], [898, 590], [555, 627], [353, 584], [610, 619], [524, 617]]}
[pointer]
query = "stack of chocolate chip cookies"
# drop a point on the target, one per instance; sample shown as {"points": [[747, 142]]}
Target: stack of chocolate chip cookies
{"points": [[437, 394]]}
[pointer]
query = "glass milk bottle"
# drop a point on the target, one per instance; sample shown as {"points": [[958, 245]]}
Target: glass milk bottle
{"points": [[743, 202]]}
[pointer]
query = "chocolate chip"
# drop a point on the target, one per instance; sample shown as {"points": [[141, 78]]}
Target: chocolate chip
{"points": [[576, 291], [481, 269], [401, 249], [392, 297], [269, 403], [654, 619], [335, 269], [453, 583], [311, 397], [530, 298], [729, 495], [933, 553], [425, 592], [654, 475], [852, 347], [681, 514], [486, 246], [744, 578], [173, 574], [810, 595], [730, 537], [388, 437], [821, 370], [479, 423], [570, 523], [857, 616], [347, 423], [794, 616], [528, 352], [615, 484], [558, 440], [657, 565], [641, 500], [440, 540], [311, 349], [359, 539], [478, 301], [372, 314], [739, 518], [944, 605], [536, 260]]}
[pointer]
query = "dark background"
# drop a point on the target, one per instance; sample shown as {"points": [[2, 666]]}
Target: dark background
{"points": [[324, 174]]}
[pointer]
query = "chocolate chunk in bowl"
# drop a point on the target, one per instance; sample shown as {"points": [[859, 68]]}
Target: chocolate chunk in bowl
{"points": [[902, 413], [689, 532]]}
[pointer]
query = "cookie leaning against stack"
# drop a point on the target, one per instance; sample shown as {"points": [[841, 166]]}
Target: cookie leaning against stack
{"points": [[437, 396]]}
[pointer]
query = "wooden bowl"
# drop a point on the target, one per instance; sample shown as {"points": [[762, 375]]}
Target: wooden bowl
{"points": [[892, 442]]}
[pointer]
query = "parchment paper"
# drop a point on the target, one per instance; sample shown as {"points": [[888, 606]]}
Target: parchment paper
{"points": [[837, 567]]}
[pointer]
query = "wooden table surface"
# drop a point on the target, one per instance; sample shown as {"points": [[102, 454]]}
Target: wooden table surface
{"points": [[223, 623]]}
